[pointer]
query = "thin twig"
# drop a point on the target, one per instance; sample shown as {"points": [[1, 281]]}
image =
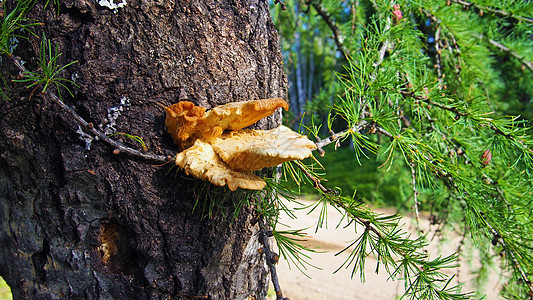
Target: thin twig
{"points": [[384, 132], [415, 195], [387, 45], [438, 53], [502, 195], [90, 127], [355, 5], [502, 47], [270, 258], [318, 185], [459, 250], [337, 35], [334, 137], [440, 44], [431, 102], [495, 11]]}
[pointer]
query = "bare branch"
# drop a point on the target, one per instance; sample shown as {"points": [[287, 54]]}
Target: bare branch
{"points": [[337, 35], [334, 137], [270, 258], [91, 129], [502, 47]]}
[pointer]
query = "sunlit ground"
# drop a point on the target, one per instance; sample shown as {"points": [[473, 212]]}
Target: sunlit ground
{"points": [[323, 284], [5, 291]]}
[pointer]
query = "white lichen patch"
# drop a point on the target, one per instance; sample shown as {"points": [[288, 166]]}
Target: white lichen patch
{"points": [[112, 5], [109, 123], [87, 138]]}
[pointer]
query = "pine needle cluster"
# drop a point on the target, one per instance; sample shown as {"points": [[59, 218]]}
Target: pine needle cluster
{"points": [[440, 92]]}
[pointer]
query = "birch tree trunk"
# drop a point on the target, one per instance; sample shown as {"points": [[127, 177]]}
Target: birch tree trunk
{"points": [[79, 222], [298, 66]]}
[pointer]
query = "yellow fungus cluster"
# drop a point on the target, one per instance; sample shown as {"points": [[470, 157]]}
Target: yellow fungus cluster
{"points": [[217, 148]]}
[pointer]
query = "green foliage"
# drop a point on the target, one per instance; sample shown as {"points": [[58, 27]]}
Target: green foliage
{"points": [[49, 70], [213, 199], [135, 138], [381, 236], [435, 109], [372, 181], [269, 204], [13, 24]]}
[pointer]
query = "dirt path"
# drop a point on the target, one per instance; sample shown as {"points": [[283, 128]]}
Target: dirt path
{"points": [[323, 284]]}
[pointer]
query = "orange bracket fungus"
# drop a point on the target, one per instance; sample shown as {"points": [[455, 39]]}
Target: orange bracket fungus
{"points": [[215, 146]]}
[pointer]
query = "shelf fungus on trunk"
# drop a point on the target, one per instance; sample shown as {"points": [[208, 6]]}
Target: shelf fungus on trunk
{"points": [[215, 146]]}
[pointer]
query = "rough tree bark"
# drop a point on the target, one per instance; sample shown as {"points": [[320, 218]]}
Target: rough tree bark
{"points": [[88, 224]]}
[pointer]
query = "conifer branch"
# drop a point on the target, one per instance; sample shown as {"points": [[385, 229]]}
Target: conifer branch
{"points": [[426, 100], [119, 147], [502, 47], [510, 137], [317, 183], [337, 35], [441, 44], [410, 259], [443, 154], [495, 11], [334, 137], [498, 238]]}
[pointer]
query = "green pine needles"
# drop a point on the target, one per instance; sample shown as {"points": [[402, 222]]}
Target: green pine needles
{"points": [[437, 91], [15, 25], [49, 71]]}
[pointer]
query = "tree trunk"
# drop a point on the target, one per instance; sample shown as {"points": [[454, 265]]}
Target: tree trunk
{"points": [[299, 65], [311, 69], [81, 222]]}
